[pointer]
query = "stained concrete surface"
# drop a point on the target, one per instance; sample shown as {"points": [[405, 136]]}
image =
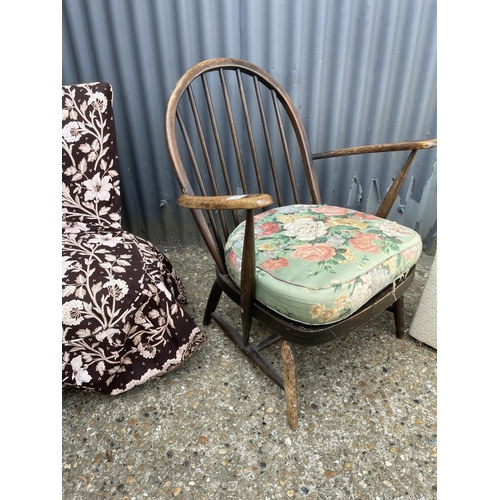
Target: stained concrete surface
{"points": [[216, 428]]}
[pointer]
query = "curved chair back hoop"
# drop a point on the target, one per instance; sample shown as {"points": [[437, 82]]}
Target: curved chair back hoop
{"points": [[224, 115]]}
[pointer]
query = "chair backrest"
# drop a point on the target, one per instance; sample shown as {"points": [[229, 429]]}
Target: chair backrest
{"points": [[231, 129], [90, 180]]}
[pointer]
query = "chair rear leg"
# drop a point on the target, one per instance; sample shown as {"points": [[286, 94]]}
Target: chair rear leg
{"points": [[399, 317], [290, 383], [212, 302]]}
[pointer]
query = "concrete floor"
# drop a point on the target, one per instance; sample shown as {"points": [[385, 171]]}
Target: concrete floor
{"points": [[216, 428]]}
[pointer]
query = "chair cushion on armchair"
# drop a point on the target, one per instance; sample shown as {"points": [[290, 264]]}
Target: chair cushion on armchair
{"points": [[327, 261]]}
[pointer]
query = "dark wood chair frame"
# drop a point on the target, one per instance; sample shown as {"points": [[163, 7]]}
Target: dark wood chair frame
{"points": [[211, 200]]}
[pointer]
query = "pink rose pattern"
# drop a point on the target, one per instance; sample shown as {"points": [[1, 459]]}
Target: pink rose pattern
{"points": [[315, 253], [272, 264], [330, 210], [365, 242], [267, 228]]}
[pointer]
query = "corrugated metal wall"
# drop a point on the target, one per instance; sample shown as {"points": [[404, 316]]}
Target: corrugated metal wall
{"points": [[360, 72]]}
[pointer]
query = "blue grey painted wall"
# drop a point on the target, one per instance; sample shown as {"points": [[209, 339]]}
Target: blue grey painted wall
{"points": [[360, 72]]}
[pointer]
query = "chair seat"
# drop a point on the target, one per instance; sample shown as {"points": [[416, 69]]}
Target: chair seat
{"points": [[318, 264]]}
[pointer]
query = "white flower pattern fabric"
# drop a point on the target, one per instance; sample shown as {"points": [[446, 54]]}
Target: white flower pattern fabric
{"points": [[122, 317]]}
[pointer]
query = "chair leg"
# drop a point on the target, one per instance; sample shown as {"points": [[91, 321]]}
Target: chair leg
{"points": [[290, 383], [213, 301], [399, 317]]}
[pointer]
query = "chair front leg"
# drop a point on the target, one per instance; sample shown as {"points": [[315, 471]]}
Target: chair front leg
{"points": [[399, 317], [290, 383]]}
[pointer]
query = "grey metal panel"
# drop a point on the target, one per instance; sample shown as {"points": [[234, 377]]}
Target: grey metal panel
{"points": [[360, 72]]}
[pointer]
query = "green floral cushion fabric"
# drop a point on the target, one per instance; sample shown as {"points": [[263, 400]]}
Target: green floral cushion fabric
{"points": [[318, 264]]}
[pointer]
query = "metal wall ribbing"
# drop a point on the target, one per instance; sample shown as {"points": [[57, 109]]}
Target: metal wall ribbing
{"points": [[360, 72]]}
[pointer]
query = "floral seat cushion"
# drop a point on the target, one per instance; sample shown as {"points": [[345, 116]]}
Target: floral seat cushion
{"points": [[318, 264]]}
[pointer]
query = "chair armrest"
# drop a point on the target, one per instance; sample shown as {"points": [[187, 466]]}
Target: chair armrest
{"points": [[377, 148], [235, 202]]}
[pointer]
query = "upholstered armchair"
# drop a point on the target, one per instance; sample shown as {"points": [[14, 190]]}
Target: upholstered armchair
{"points": [[123, 321]]}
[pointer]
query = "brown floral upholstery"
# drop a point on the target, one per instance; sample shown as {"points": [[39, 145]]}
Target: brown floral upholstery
{"points": [[122, 317]]}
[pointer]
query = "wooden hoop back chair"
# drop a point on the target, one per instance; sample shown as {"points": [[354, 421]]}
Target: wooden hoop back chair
{"points": [[240, 152]]}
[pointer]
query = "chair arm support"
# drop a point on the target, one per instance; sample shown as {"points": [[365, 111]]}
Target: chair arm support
{"points": [[248, 276], [235, 202], [377, 148], [248, 203]]}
